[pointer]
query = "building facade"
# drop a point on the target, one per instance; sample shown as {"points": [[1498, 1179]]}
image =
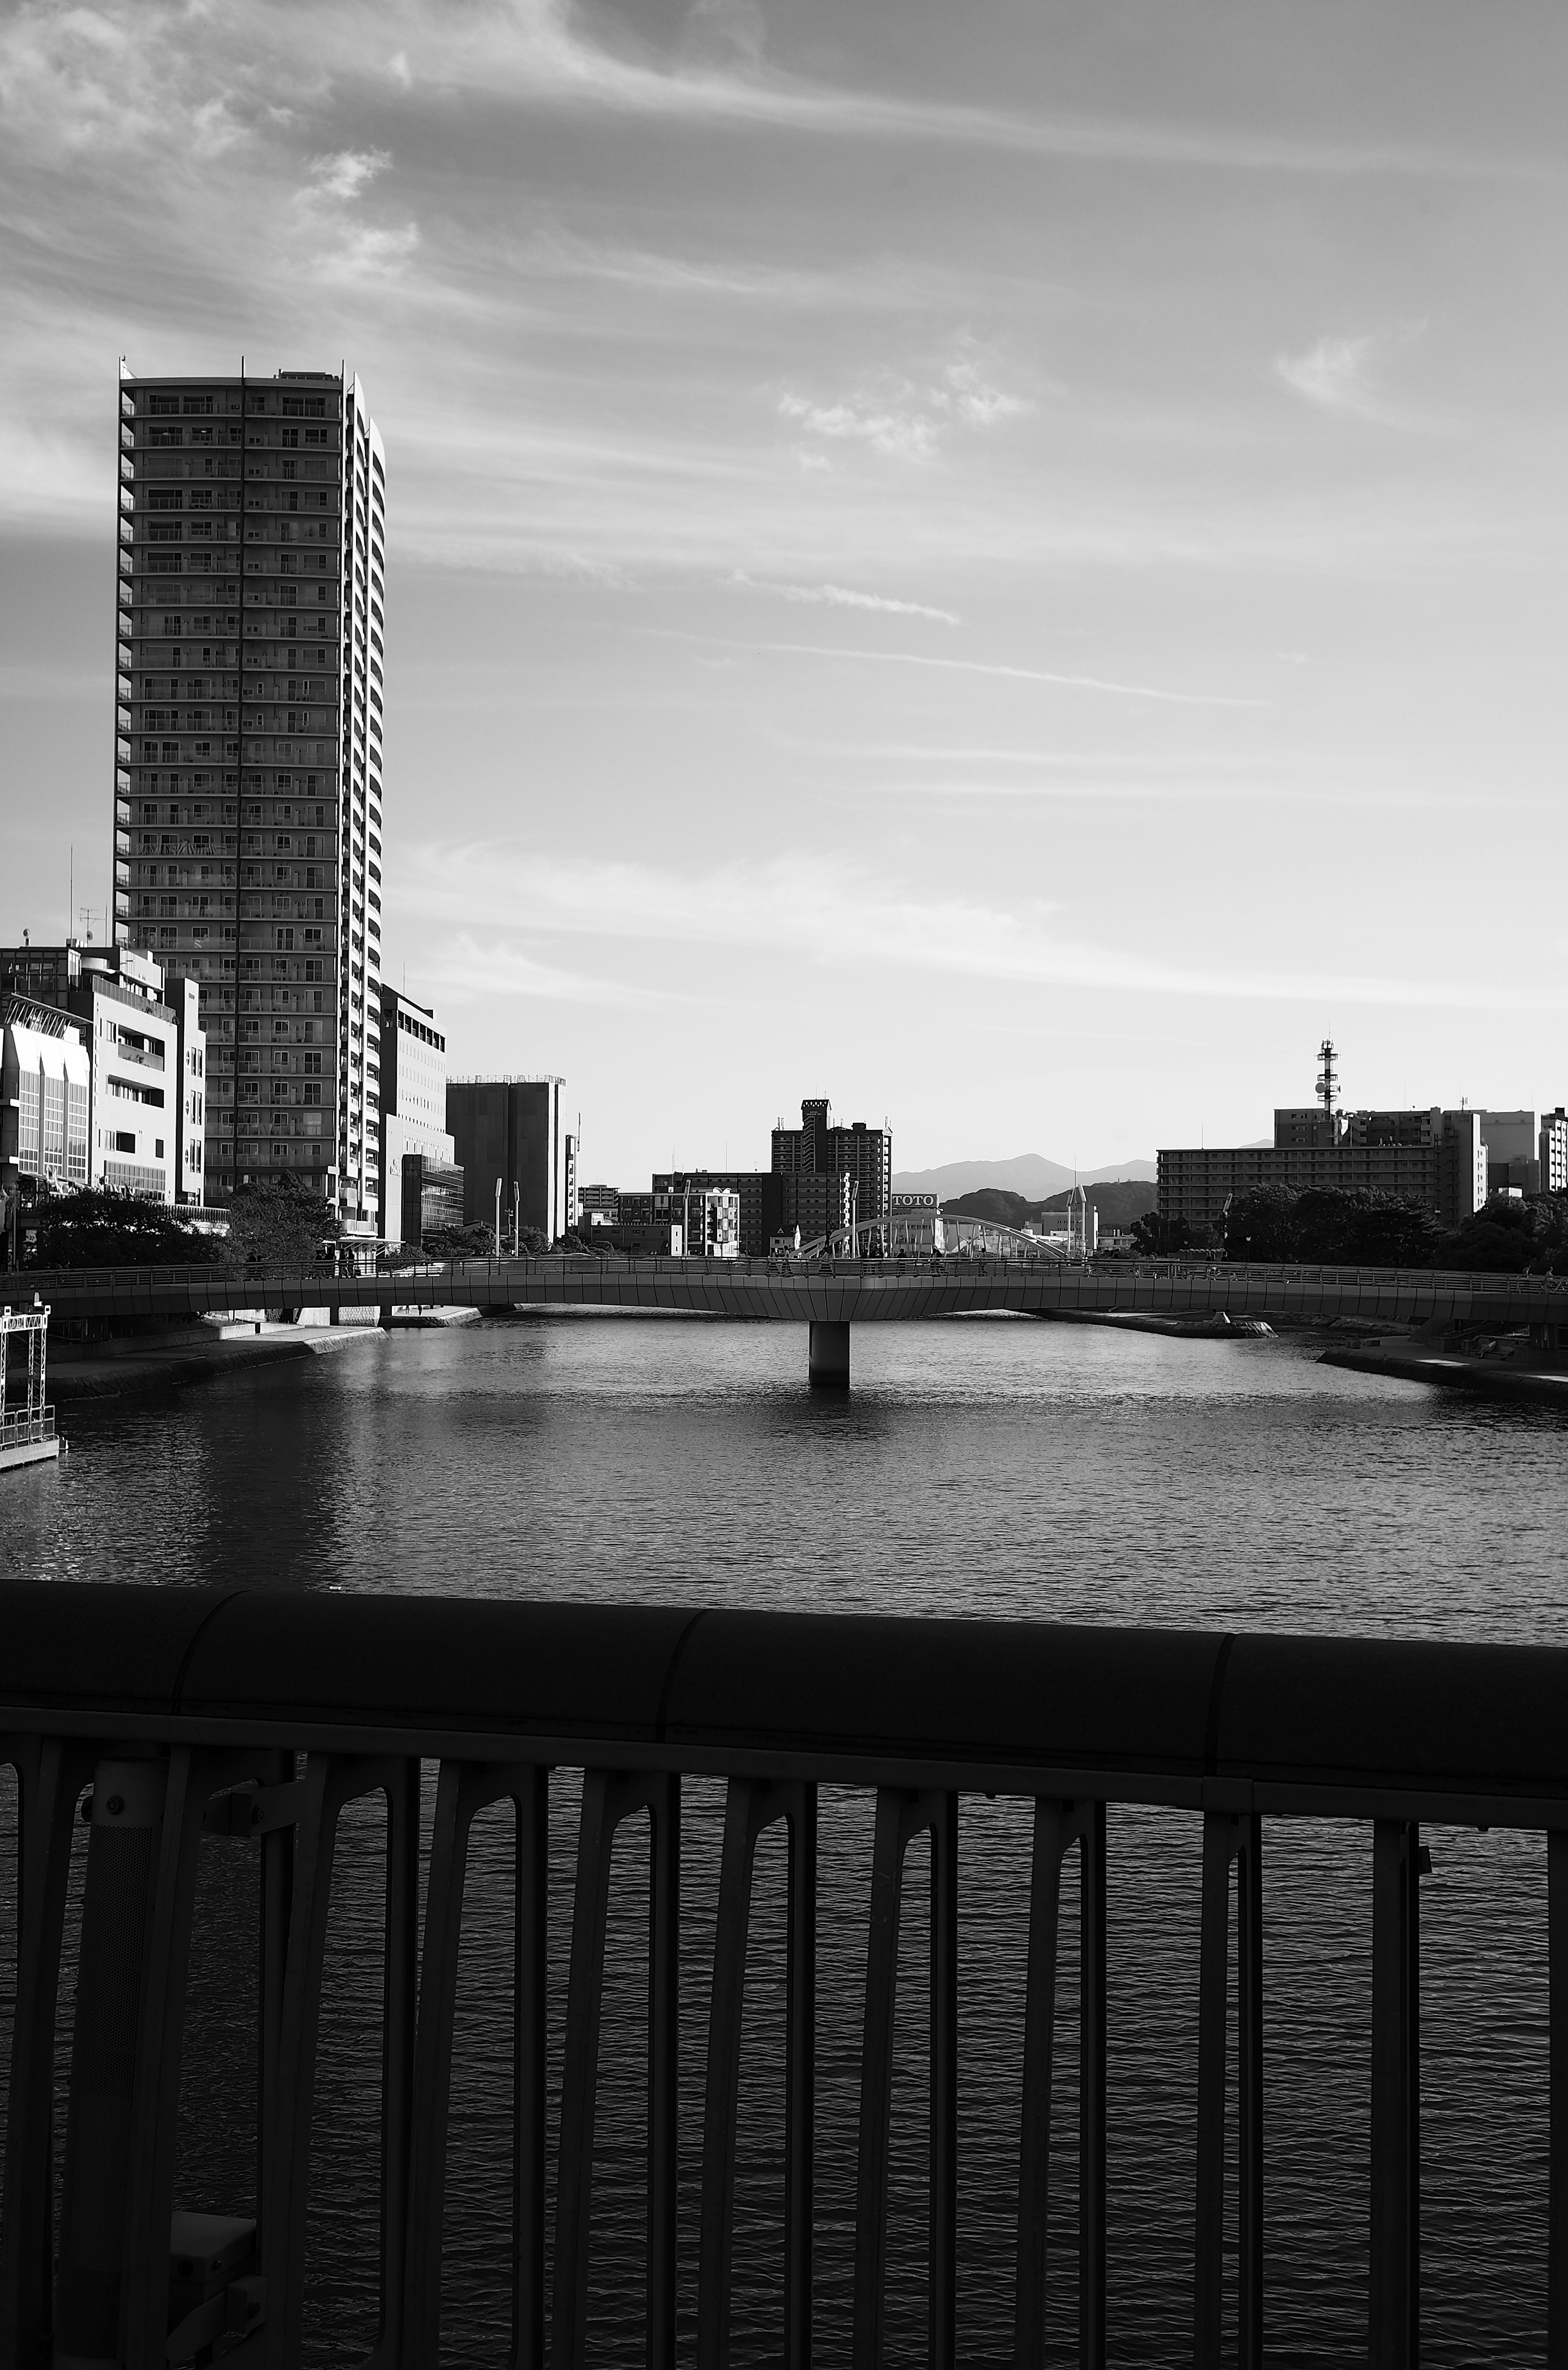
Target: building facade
{"points": [[247, 757], [413, 1118], [45, 1094], [817, 1147], [507, 1132], [758, 1196], [1551, 1151], [146, 1050], [1437, 1158]]}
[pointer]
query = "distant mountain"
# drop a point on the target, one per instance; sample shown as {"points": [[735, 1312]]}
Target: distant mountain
{"points": [[1118, 1204], [1031, 1175]]}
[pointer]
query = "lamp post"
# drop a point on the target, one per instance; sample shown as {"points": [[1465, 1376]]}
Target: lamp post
{"points": [[517, 1216], [498, 1217]]}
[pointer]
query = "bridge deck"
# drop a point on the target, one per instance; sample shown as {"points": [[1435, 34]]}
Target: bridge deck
{"points": [[841, 1290]]}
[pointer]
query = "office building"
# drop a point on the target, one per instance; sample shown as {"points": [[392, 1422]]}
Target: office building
{"points": [[1513, 1151], [598, 1206], [861, 1154], [507, 1132], [146, 1050], [45, 1087], [694, 1221], [1436, 1158], [413, 1124], [248, 784]]}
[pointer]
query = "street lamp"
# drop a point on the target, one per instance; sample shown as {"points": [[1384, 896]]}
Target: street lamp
{"points": [[498, 1217]]}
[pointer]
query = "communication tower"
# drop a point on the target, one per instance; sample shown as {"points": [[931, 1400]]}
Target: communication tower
{"points": [[1328, 1079]]}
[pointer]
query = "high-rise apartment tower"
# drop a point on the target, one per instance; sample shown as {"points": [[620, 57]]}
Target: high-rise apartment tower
{"points": [[248, 799]]}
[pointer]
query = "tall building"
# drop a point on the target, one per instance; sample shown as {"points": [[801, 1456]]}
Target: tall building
{"points": [[507, 1132], [44, 1089], [247, 783], [1551, 1151], [817, 1148], [147, 1051]]}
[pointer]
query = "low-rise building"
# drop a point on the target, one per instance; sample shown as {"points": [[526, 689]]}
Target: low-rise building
{"points": [[757, 1192], [1436, 1158], [146, 1047], [45, 1097], [598, 1206]]}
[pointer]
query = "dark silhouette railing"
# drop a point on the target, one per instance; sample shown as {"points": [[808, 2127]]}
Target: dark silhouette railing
{"points": [[263, 1714]]}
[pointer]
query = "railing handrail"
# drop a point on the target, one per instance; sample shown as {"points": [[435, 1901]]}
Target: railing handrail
{"points": [[1274, 1721]]}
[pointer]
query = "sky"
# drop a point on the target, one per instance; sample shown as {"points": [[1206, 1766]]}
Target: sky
{"points": [[1002, 564]]}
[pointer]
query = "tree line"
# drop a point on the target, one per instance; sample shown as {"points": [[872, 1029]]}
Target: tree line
{"points": [[1324, 1225]]}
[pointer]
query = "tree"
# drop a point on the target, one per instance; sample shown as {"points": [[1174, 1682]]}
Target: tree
{"points": [[279, 1229], [1157, 1237], [1262, 1225], [95, 1227]]}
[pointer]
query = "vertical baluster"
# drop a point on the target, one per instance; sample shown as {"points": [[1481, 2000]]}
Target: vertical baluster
{"points": [[1557, 2029], [1395, 2236], [724, 2074], [608, 1799], [51, 1775], [941, 2290], [664, 2066], [1249, 2106], [531, 2000], [1056, 1826], [1214, 1977], [800, 2080], [1091, 2096], [876, 2078], [580, 2073], [400, 1998], [750, 1806]]}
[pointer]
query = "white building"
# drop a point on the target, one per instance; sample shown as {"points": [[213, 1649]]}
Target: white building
{"points": [[413, 1099], [45, 1094], [248, 791], [1551, 1151], [146, 1054]]}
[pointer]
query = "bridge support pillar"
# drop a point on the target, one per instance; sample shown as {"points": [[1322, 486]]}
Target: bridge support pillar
{"points": [[827, 1358], [335, 1310], [385, 1318]]}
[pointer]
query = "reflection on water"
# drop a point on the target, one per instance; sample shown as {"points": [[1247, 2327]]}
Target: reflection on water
{"points": [[984, 1466]]}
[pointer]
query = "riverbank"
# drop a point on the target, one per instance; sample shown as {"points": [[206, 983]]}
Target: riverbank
{"points": [[1215, 1327], [216, 1346], [1487, 1377]]}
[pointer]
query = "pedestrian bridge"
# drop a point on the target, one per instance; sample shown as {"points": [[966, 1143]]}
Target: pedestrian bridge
{"points": [[829, 1295]]}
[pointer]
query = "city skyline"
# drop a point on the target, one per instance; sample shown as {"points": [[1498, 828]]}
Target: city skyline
{"points": [[1025, 561]]}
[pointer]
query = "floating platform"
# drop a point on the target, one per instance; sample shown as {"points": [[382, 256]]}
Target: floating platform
{"points": [[30, 1452]]}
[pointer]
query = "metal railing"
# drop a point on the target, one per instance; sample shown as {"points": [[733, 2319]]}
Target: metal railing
{"points": [[263, 1714], [23, 1430]]}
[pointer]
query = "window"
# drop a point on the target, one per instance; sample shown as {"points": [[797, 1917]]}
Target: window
{"points": [[158, 1147], [291, 443], [197, 406], [165, 436], [164, 406], [165, 498]]}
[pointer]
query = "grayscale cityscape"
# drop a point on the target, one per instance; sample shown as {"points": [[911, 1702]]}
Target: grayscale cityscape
{"points": [[661, 1703]]}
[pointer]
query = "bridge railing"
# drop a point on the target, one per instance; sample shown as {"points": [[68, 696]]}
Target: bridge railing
{"points": [[165, 1717], [315, 1283]]}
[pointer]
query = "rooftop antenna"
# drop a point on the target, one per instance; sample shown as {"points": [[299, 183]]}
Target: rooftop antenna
{"points": [[1328, 1079]]}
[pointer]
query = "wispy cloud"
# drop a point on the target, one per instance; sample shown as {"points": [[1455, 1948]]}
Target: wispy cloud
{"points": [[980, 667], [905, 420], [845, 915], [841, 596], [1344, 376]]}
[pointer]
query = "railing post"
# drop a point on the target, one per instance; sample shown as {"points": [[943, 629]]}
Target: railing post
{"points": [[1557, 2013], [608, 1799], [1396, 2102], [753, 1805], [1227, 1839], [51, 1776], [1091, 2096], [900, 1816], [462, 1792], [1058, 1825]]}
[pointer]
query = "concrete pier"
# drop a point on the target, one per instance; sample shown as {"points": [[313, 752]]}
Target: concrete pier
{"points": [[828, 1356]]}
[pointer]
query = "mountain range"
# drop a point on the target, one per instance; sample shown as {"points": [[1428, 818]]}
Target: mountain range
{"points": [[1029, 1174]]}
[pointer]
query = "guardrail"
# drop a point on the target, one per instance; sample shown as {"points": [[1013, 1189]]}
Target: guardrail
{"points": [[262, 1714]]}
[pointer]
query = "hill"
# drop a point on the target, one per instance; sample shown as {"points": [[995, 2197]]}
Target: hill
{"points": [[1117, 1204], [1029, 1174]]}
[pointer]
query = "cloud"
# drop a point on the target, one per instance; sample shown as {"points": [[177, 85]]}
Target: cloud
{"points": [[983, 667], [839, 596], [347, 174], [1341, 375], [906, 420], [842, 915]]}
